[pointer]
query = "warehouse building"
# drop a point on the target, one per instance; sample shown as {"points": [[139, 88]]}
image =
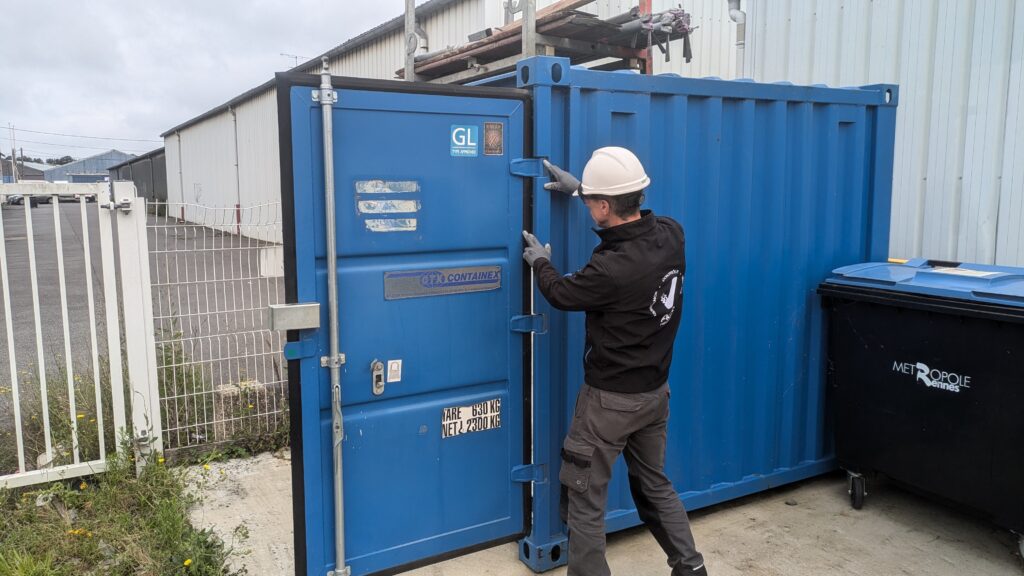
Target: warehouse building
{"points": [[91, 169], [27, 171], [148, 172], [959, 177]]}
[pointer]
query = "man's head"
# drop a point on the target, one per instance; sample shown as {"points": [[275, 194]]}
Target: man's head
{"points": [[608, 211], [613, 187]]}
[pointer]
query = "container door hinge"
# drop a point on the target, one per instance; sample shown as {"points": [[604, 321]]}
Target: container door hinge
{"points": [[329, 362], [527, 167], [536, 323], [537, 473]]}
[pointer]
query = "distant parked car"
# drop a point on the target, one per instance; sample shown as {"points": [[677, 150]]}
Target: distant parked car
{"points": [[19, 200]]}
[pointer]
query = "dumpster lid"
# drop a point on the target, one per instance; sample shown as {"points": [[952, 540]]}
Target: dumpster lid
{"points": [[971, 282]]}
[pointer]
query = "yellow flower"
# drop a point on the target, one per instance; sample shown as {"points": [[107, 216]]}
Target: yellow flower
{"points": [[187, 562], [92, 420], [83, 486], [160, 460], [250, 406], [80, 415], [206, 466]]}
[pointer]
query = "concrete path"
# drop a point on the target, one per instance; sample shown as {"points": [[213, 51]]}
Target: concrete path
{"points": [[803, 530]]}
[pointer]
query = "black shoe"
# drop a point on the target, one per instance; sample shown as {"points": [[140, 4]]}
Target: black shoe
{"points": [[680, 570]]}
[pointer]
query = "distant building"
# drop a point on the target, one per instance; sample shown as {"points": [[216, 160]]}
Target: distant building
{"points": [[26, 171], [148, 172], [87, 169]]}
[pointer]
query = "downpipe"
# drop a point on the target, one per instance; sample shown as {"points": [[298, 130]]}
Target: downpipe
{"points": [[327, 97]]}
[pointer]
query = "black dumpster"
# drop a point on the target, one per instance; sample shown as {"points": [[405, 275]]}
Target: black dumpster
{"points": [[926, 381]]}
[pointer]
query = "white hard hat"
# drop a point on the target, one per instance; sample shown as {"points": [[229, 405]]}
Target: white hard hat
{"points": [[614, 171]]}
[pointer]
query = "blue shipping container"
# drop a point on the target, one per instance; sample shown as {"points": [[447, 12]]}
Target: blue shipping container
{"points": [[457, 448]]}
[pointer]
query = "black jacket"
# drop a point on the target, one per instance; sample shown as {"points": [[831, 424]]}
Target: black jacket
{"points": [[632, 292]]}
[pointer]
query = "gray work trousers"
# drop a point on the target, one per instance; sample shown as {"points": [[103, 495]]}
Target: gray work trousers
{"points": [[604, 425]]}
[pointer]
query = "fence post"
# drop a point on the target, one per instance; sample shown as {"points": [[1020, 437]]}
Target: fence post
{"points": [[140, 340]]}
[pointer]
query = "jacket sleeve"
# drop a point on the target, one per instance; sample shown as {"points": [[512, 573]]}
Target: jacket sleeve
{"points": [[591, 288]]}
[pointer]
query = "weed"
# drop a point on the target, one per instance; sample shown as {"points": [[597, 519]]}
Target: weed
{"points": [[118, 524]]}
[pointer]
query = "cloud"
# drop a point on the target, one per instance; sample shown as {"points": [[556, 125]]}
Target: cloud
{"points": [[135, 69]]}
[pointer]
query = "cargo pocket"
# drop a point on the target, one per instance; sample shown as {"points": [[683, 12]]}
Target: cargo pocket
{"points": [[576, 465]]}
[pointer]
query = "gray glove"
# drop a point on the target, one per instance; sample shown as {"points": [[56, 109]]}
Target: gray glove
{"points": [[534, 251], [564, 182]]}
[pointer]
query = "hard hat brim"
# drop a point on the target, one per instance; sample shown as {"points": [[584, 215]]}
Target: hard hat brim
{"points": [[621, 189]]}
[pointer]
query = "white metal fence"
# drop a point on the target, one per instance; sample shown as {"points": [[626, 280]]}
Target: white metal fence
{"points": [[221, 369], [62, 383]]}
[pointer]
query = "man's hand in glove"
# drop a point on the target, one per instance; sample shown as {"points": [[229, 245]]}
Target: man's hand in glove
{"points": [[533, 250], [563, 181]]}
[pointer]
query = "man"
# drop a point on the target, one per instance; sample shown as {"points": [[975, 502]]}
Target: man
{"points": [[631, 291]]}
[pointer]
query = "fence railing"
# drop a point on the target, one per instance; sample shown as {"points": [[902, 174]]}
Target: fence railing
{"points": [[62, 383], [220, 368]]}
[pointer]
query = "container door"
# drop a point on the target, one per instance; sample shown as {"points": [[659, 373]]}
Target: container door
{"points": [[430, 277]]}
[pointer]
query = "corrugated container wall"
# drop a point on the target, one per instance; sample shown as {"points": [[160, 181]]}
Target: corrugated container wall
{"points": [[775, 186], [958, 189]]}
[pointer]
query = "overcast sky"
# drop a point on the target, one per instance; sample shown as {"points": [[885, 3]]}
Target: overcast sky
{"points": [[132, 69]]}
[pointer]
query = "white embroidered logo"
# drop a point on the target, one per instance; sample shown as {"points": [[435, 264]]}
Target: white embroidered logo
{"points": [[663, 304]]}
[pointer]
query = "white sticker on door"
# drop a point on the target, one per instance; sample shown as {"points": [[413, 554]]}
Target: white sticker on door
{"points": [[459, 420], [394, 371]]}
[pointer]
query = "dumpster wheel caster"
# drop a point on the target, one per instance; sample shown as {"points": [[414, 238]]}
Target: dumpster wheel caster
{"points": [[858, 490]]}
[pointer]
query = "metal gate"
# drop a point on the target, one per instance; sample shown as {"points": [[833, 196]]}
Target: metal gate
{"points": [[432, 319], [63, 409]]}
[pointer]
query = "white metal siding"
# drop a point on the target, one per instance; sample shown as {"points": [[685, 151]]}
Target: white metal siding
{"points": [[259, 166], [451, 26], [957, 187], [208, 162], [713, 42], [174, 167], [1010, 238], [208, 177]]}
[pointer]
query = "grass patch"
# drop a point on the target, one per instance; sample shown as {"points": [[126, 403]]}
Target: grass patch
{"points": [[86, 419], [112, 524]]}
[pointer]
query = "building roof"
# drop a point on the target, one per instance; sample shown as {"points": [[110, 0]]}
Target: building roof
{"points": [[96, 164], [397, 23], [145, 156]]}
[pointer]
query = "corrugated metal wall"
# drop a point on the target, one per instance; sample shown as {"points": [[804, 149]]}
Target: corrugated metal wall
{"points": [[259, 166], [714, 44], [203, 174], [958, 189], [148, 173]]}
